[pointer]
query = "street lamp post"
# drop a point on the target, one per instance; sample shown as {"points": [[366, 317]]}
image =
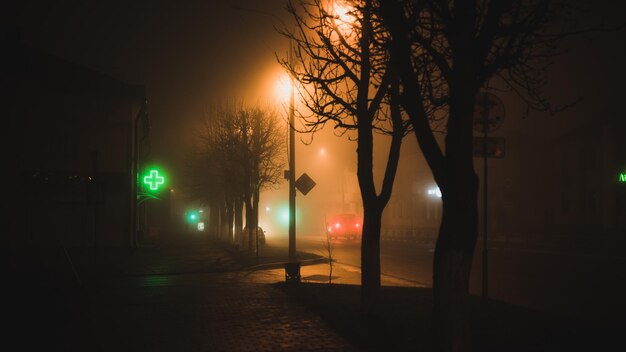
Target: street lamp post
{"points": [[292, 268], [292, 176]]}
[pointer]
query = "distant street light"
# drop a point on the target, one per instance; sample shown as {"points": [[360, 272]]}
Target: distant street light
{"points": [[434, 192], [284, 87]]}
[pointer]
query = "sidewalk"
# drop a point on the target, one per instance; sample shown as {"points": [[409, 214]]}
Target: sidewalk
{"points": [[203, 312], [194, 295], [177, 296]]}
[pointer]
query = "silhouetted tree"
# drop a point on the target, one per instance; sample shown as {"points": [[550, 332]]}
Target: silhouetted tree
{"points": [[242, 152], [221, 165], [340, 62], [263, 156], [464, 44]]}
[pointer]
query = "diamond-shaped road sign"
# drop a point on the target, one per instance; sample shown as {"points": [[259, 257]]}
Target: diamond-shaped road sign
{"points": [[305, 184]]}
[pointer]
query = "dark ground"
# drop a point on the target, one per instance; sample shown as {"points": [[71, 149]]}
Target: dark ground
{"points": [[47, 307], [405, 322]]}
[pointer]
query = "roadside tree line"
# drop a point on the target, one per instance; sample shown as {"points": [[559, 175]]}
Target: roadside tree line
{"points": [[241, 151]]}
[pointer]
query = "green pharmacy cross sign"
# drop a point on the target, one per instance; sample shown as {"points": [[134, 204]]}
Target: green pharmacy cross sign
{"points": [[622, 177], [153, 180]]}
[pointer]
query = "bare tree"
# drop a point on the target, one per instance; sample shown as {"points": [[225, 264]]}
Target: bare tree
{"points": [[340, 63], [221, 165], [264, 150], [464, 44], [241, 152]]}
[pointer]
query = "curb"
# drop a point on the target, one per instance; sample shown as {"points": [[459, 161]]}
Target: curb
{"points": [[281, 264]]}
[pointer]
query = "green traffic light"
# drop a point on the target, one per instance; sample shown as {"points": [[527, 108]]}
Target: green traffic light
{"points": [[193, 216]]}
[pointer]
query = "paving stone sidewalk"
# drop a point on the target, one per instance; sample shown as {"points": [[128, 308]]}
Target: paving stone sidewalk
{"points": [[203, 312], [175, 297]]}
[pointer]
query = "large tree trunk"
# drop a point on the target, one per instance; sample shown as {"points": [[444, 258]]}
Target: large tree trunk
{"points": [[223, 220], [370, 259], [238, 220], [215, 219], [459, 226], [452, 266], [249, 223], [255, 217], [229, 219]]}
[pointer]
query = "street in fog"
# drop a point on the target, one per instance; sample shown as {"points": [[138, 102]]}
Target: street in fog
{"points": [[547, 280], [179, 148]]}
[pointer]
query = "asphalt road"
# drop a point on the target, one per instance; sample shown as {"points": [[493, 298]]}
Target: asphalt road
{"points": [[578, 285]]}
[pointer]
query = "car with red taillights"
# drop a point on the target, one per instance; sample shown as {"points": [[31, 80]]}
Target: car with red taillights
{"points": [[346, 226]]}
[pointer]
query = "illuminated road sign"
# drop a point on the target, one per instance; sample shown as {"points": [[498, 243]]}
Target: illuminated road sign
{"points": [[305, 184]]}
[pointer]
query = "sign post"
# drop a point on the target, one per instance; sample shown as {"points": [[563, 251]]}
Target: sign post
{"points": [[495, 147], [488, 117]]}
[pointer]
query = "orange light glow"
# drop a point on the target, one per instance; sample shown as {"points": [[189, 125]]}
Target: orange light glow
{"points": [[343, 12], [344, 18], [283, 87]]}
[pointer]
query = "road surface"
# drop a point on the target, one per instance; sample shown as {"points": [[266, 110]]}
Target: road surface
{"points": [[579, 285]]}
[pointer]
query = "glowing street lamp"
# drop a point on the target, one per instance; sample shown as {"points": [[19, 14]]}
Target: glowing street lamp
{"points": [[344, 17], [284, 87]]}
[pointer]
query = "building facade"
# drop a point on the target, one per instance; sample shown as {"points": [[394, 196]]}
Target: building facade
{"points": [[69, 151]]}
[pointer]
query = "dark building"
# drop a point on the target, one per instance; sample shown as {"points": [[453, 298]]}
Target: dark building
{"points": [[556, 186], [590, 199], [69, 140]]}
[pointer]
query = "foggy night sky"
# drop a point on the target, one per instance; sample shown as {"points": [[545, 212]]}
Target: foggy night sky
{"points": [[189, 53]]}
